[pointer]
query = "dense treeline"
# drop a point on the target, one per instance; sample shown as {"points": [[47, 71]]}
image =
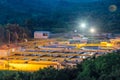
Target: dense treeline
{"points": [[105, 67], [60, 15], [12, 33]]}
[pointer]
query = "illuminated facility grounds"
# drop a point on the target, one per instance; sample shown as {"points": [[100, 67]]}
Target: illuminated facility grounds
{"points": [[38, 54]]}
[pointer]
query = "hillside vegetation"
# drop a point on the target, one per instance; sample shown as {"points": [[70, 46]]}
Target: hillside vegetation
{"points": [[60, 15]]}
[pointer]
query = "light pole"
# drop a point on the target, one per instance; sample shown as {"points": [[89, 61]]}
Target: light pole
{"points": [[75, 31], [92, 31], [9, 36], [82, 26], [8, 53]]}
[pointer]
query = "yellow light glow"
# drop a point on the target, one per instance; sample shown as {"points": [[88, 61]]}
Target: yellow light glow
{"points": [[109, 45]]}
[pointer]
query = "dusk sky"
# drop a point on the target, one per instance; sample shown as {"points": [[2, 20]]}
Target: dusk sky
{"points": [[82, 0]]}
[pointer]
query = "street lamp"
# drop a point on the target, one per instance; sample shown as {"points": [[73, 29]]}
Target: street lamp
{"points": [[92, 30], [75, 31], [83, 25]]}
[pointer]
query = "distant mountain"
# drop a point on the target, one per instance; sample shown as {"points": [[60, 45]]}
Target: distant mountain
{"points": [[58, 14]]}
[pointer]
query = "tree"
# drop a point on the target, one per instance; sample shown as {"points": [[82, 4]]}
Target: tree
{"points": [[101, 68], [15, 32], [45, 74], [14, 75]]}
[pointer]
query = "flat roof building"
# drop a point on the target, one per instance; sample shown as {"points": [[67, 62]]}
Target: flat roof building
{"points": [[41, 34]]}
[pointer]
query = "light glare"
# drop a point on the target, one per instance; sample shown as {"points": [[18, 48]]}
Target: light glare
{"points": [[92, 30], [83, 25]]}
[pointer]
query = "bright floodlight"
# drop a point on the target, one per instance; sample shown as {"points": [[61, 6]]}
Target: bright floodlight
{"points": [[92, 30], [83, 25]]}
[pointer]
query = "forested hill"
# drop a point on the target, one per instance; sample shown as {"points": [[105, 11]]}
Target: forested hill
{"points": [[58, 14]]}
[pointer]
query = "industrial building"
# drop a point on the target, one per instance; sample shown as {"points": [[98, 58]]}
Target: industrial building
{"points": [[41, 34]]}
